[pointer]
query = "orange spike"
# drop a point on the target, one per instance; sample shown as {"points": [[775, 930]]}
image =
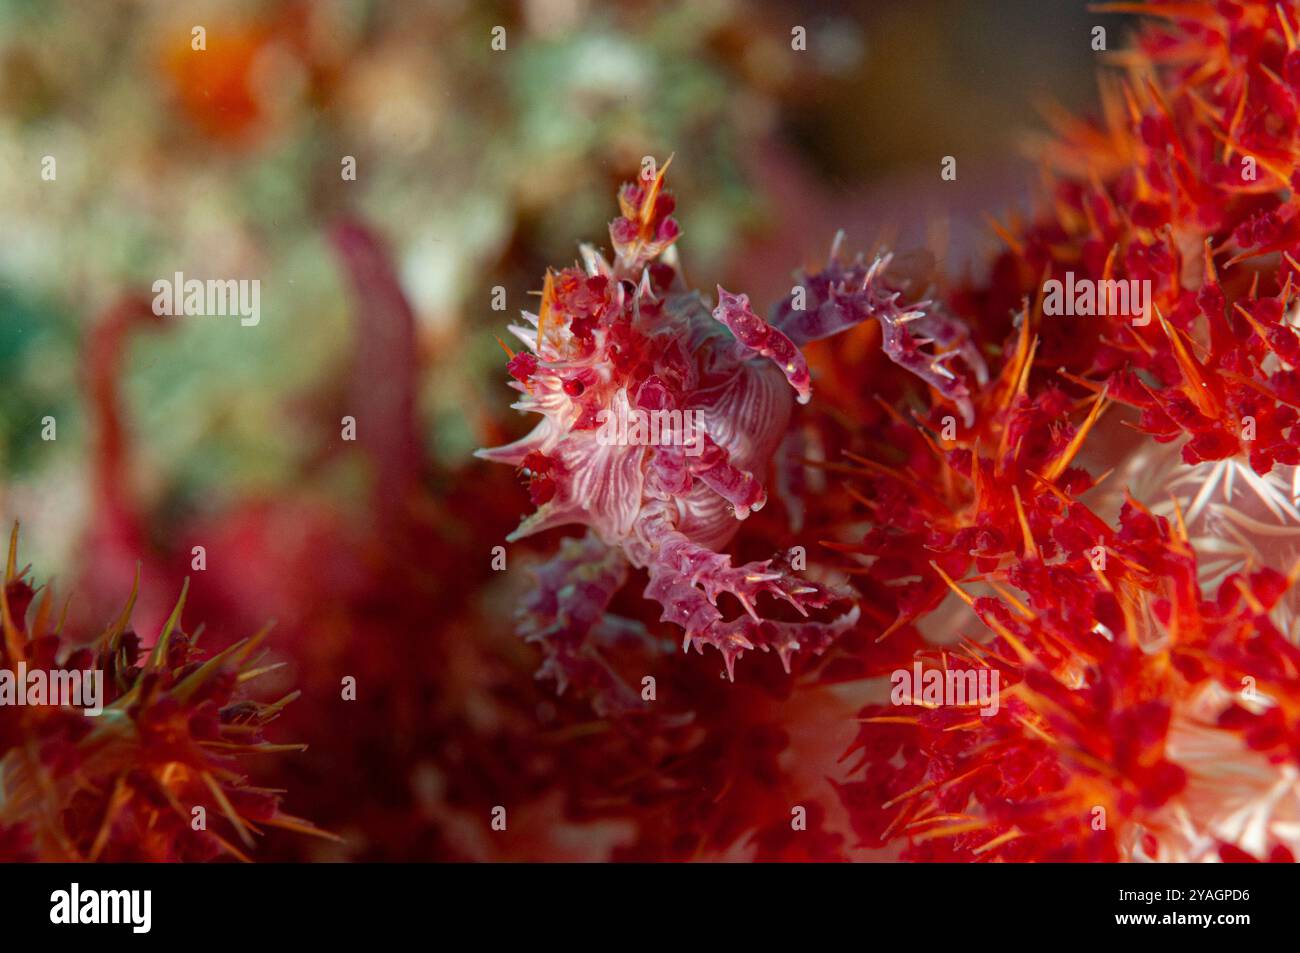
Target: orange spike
{"points": [[1268, 164], [544, 312], [1256, 606], [1198, 388], [1010, 597], [897, 624], [1095, 386], [1012, 242], [1017, 371], [650, 197], [1286, 27], [976, 479], [1060, 464], [1131, 103], [869, 504], [1022, 384], [11, 562], [1031, 550], [951, 831], [881, 470], [1025, 655], [998, 841], [1253, 323], [1179, 523], [928, 785], [1235, 122], [1157, 96], [890, 410], [1108, 271], [962, 594]]}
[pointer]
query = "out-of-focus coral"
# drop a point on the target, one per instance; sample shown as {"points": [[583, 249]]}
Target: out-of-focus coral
{"points": [[158, 772], [225, 160], [178, 433]]}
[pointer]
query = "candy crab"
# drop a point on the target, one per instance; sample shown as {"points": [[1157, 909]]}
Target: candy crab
{"points": [[627, 340]]}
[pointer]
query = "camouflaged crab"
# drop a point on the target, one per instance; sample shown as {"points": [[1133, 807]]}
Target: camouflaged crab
{"points": [[627, 339]]}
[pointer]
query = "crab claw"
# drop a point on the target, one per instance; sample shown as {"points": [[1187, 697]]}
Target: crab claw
{"points": [[758, 336]]}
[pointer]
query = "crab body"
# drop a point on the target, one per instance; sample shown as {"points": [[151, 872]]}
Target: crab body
{"points": [[659, 419]]}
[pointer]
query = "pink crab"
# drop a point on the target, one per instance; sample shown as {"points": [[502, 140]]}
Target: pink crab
{"points": [[626, 341]]}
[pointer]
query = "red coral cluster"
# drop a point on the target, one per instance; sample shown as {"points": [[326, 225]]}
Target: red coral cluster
{"points": [[157, 773], [1186, 182], [1141, 715]]}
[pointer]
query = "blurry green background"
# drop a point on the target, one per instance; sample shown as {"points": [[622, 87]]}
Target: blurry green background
{"points": [[478, 167]]}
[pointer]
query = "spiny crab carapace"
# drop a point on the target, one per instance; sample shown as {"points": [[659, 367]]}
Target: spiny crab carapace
{"points": [[626, 339]]}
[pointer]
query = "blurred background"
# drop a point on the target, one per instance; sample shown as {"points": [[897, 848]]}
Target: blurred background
{"points": [[475, 169]]}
